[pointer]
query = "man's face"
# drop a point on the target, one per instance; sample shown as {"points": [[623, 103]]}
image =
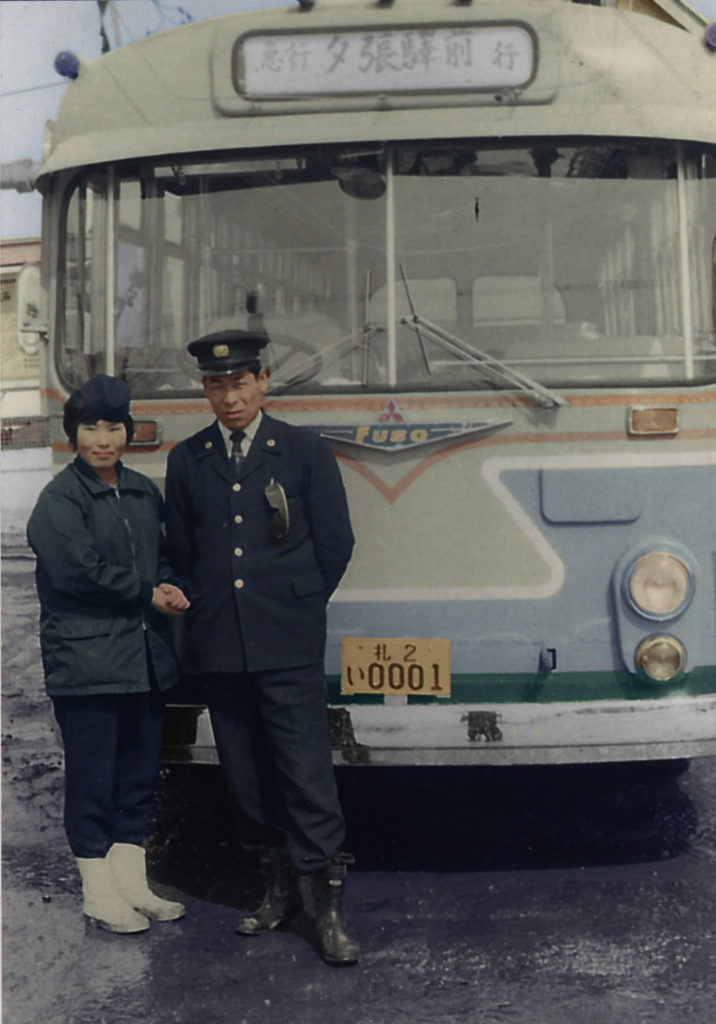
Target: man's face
{"points": [[237, 399]]}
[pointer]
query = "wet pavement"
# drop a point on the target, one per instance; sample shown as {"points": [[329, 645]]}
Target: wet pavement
{"points": [[530, 896]]}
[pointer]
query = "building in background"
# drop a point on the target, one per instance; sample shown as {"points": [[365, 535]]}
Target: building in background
{"points": [[25, 461], [20, 416]]}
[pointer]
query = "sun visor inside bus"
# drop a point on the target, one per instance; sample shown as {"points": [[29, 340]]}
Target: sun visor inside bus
{"points": [[589, 495]]}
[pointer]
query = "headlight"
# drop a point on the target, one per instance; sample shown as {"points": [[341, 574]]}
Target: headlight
{"points": [[660, 658], [660, 584]]}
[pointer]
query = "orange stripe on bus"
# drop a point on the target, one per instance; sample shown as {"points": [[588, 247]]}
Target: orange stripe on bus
{"points": [[376, 403], [493, 440]]}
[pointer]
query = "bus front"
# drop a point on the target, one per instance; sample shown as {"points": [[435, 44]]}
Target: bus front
{"points": [[482, 246]]}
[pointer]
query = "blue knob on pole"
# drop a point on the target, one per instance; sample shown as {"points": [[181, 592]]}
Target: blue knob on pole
{"points": [[67, 64]]}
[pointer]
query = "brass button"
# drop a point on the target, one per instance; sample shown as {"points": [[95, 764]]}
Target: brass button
{"points": [[238, 552], [208, 444], [238, 584], [238, 519], [270, 443], [236, 487]]}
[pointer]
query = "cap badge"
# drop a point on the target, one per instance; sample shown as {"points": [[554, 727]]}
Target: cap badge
{"points": [[220, 351]]}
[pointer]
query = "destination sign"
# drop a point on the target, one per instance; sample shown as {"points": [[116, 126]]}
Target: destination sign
{"points": [[392, 60]]}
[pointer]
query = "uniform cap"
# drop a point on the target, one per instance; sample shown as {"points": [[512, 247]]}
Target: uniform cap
{"points": [[108, 397], [227, 352]]}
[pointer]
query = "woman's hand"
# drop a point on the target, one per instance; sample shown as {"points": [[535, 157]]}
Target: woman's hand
{"points": [[169, 600]]}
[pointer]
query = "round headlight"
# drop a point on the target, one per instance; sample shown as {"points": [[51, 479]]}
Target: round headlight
{"points": [[660, 658], [660, 584]]}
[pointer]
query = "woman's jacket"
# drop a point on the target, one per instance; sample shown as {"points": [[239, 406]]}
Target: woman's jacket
{"points": [[100, 553]]}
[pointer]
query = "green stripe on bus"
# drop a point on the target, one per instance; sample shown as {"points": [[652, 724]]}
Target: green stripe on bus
{"points": [[544, 689]]}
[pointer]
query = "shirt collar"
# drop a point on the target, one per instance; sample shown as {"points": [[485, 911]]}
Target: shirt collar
{"points": [[250, 433]]}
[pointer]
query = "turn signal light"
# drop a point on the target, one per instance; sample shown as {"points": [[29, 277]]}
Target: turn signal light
{"points": [[146, 434], [653, 421]]}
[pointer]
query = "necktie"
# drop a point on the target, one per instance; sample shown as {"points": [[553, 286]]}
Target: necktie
{"points": [[237, 437]]}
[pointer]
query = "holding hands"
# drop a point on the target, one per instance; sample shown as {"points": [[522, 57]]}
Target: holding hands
{"points": [[169, 600]]}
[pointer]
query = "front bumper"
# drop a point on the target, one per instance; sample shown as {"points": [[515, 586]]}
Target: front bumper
{"points": [[395, 733]]}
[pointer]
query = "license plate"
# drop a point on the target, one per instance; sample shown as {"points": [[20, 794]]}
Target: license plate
{"points": [[405, 667]]}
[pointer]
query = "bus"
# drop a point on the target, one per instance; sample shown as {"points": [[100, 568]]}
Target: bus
{"points": [[481, 238]]}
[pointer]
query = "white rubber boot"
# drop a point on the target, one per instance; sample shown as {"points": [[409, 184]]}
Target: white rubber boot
{"points": [[102, 902], [128, 864]]}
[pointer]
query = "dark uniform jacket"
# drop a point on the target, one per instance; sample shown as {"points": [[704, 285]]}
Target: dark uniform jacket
{"points": [[100, 553], [254, 605]]}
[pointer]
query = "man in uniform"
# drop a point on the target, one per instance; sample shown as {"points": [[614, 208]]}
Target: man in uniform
{"points": [[258, 527]]}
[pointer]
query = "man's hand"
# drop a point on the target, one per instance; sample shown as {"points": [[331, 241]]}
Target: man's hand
{"points": [[169, 600]]}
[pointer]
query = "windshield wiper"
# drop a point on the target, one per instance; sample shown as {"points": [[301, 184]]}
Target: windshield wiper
{"points": [[470, 353]]}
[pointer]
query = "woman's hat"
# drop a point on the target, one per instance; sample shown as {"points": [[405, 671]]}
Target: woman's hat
{"points": [[108, 397]]}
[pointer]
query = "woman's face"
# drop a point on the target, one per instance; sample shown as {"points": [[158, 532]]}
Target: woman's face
{"points": [[101, 445]]}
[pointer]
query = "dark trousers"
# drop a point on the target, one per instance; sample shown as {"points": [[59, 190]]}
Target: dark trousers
{"points": [[271, 732], [113, 748]]}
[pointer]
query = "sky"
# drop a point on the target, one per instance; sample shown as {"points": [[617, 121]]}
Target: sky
{"points": [[32, 32]]}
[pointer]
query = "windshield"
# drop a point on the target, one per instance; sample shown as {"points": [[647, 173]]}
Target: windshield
{"points": [[419, 267]]}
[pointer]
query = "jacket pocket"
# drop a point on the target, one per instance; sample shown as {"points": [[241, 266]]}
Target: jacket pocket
{"points": [[80, 652], [310, 583], [82, 629]]}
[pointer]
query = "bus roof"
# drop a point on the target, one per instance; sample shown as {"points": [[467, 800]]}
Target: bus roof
{"points": [[597, 71]]}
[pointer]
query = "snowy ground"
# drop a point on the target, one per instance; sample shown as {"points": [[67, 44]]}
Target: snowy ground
{"points": [[23, 474]]}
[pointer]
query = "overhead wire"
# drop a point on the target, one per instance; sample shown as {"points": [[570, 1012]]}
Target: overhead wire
{"points": [[117, 20], [31, 88]]}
